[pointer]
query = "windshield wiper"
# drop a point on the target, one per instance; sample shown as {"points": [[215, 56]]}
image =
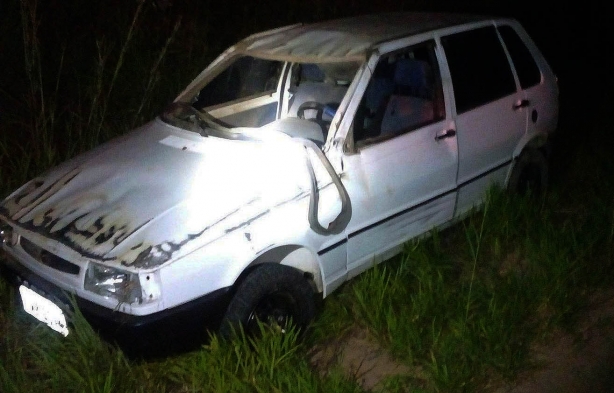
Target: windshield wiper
{"points": [[184, 115]]}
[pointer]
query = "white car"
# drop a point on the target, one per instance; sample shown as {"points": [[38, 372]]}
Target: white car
{"points": [[299, 158]]}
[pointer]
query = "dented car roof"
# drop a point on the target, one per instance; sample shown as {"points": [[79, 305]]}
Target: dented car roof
{"points": [[344, 39]]}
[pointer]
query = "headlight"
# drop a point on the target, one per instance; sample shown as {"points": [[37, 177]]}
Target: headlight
{"points": [[110, 282], [6, 234]]}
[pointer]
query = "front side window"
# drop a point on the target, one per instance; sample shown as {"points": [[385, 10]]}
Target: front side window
{"points": [[404, 93], [479, 68]]}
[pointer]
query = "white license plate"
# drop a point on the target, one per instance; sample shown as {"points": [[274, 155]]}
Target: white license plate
{"points": [[43, 309]]}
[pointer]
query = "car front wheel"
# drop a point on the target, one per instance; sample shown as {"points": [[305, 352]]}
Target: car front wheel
{"points": [[272, 294]]}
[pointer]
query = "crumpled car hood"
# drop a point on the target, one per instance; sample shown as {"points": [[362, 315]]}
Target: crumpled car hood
{"points": [[139, 199]]}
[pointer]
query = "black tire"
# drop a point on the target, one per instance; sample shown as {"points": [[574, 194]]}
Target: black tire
{"points": [[530, 173], [273, 294]]}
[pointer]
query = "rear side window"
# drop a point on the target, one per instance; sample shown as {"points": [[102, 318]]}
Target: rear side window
{"points": [[526, 68], [479, 67]]}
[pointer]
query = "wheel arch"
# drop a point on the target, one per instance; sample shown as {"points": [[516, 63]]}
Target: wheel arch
{"points": [[295, 256], [532, 161], [540, 141]]}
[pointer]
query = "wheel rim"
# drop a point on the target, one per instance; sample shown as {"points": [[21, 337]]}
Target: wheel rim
{"points": [[276, 310], [530, 180]]}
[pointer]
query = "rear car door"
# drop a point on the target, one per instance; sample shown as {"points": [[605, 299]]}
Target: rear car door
{"points": [[490, 113], [535, 78]]}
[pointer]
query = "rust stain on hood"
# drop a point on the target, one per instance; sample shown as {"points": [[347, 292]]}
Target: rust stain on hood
{"points": [[137, 201]]}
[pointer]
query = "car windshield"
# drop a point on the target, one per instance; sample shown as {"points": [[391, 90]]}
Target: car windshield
{"points": [[254, 92]]}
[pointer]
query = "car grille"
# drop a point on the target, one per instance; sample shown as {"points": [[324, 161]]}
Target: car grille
{"points": [[47, 258]]}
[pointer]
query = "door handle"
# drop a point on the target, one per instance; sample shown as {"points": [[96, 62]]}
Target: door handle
{"points": [[446, 134], [520, 104]]}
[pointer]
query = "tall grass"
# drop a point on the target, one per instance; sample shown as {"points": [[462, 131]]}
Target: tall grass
{"points": [[79, 89], [33, 358]]}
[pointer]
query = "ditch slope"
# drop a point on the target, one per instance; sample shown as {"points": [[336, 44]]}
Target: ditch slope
{"points": [[578, 362]]}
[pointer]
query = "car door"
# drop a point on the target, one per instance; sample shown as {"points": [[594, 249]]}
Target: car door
{"points": [[400, 163], [490, 114], [535, 78]]}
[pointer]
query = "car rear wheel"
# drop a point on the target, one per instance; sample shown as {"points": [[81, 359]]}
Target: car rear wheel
{"points": [[530, 173], [272, 294]]}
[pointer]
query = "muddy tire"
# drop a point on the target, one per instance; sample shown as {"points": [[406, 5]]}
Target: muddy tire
{"points": [[530, 173], [273, 294]]}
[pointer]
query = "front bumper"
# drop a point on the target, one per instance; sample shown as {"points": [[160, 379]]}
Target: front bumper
{"points": [[176, 329]]}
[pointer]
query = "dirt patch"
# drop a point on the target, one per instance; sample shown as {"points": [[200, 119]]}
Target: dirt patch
{"points": [[567, 363], [360, 358], [574, 363]]}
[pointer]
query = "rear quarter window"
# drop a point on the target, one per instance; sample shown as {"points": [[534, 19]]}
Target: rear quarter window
{"points": [[478, 66], [524, 63]]}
